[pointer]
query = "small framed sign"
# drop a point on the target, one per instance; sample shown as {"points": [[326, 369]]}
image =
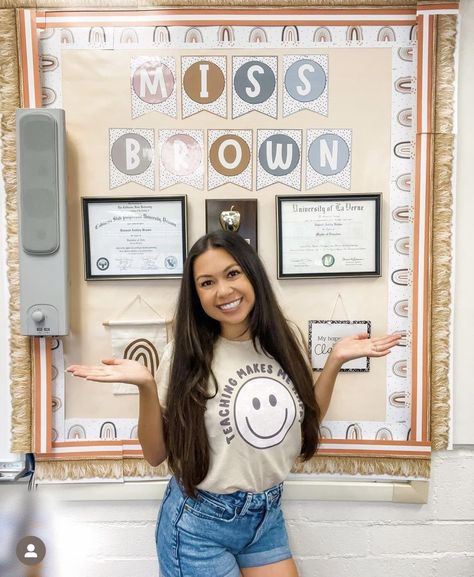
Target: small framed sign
{"points": [[143, 237], [238, 215], [329, 236], [323, 335]]}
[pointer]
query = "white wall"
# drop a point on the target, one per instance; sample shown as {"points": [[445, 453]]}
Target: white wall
{"points": [[463, 427], [329, 539]]}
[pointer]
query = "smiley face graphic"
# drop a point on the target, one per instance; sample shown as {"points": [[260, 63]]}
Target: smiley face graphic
{"points": [[264, 412]]}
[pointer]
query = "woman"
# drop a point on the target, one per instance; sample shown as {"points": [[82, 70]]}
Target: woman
{"points": [[233, 406]]}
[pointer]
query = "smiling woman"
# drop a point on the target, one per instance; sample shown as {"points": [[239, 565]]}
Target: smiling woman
{"points": [[225, 292], [233, 406]]}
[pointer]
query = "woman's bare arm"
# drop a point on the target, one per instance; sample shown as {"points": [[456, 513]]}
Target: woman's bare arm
{"points": [[150, 420], [346, 349]]}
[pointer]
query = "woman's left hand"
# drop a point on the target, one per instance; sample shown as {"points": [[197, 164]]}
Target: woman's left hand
{"points": [[360, 345]]}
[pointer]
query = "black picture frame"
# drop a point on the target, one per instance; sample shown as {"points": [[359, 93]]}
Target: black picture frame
{"points": [[137, 227], [307, 260]]}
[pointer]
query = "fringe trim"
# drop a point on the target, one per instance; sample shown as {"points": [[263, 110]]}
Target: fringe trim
{"points": [[441, 297], [203, 4], [65, 470], [76, 470], [445, 73], [280, 3], [91, 4], [140, 468], [399, 467], [20, 366], [441, 247], [133, 468]]}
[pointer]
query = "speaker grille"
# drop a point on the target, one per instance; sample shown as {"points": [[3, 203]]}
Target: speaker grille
{"points": [[38, 181]]}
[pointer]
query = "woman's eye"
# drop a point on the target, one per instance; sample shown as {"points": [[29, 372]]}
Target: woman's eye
{"points": [[205, 283], [234, 272]]}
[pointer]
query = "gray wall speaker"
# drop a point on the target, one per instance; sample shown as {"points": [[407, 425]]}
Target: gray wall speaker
{"points": [[42, 210]]}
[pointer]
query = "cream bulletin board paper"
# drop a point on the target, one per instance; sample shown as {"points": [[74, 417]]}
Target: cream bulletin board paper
{"points": [[368, 101]]}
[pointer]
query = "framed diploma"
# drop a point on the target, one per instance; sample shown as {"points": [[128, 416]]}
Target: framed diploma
{"points": [[328, 236], [142, 237], [323, 335]]}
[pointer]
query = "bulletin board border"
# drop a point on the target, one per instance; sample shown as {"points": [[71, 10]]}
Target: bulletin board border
{"points": [[435, 22], [20, 354], [442, 233]]}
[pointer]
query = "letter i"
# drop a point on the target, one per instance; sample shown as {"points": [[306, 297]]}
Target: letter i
{"points": [[204, 68]]}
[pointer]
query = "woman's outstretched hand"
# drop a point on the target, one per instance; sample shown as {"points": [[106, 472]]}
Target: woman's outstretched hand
{"points": [[115, 371], [360, 345]]}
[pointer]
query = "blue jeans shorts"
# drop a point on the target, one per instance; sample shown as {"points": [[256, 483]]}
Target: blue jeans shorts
{"points": [[215, 534]]}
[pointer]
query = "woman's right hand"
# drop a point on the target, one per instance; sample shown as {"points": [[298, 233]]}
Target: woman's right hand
{"points": [[115, 371]]}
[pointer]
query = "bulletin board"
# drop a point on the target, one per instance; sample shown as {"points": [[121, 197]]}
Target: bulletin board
{"points": [[176, 82]]}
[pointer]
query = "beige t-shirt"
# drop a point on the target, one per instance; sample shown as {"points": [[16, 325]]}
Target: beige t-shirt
{"points": [[253, 423]]}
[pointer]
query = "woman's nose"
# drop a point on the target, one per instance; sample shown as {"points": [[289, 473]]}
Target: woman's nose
{"points": [[224, 289]]}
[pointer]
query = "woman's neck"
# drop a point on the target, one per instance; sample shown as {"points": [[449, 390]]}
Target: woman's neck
{"points": [[236, 335]]}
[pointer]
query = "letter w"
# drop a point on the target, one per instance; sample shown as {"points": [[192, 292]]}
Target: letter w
{"points": [[276, 161]]}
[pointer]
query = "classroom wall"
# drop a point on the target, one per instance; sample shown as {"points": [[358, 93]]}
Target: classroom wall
{"points": [[335, 539], [339, 539]]}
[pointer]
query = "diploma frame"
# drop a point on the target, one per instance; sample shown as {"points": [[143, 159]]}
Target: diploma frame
{"points": [[175, 268], [283, 240]]}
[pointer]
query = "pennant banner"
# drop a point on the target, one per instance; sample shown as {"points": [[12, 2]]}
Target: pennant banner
{"points": [[131, 157], [153, 85], [204, 85], [181, 158], [254, 85], [230, 158], [305, 84], [329, 157], [279, 158]]}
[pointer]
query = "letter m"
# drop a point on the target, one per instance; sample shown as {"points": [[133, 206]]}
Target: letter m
{"points": [[151, 80]]}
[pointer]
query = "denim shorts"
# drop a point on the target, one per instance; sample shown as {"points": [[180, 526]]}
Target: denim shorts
{"points": [[215, 534]]}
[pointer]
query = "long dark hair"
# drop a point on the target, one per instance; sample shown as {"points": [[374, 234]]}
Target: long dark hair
{"points": [[195, 334]]}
